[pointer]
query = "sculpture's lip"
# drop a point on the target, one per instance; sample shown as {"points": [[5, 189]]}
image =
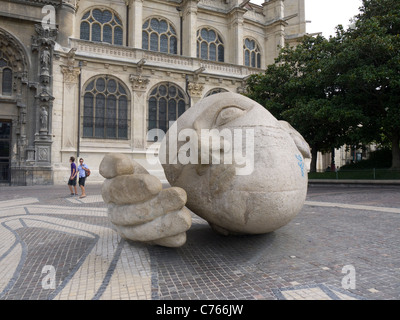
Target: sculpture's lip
{"points": [[221, 177]]}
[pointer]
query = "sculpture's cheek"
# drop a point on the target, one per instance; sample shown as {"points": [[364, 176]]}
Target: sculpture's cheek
{"points": [[241, 212]]}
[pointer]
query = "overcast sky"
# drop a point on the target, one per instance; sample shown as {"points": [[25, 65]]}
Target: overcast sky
{"points": [[325, 15]]}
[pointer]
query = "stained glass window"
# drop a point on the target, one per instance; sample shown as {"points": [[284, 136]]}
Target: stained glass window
{"points": [[6, 75], [7, 81], [159, 35], [166, 103], [210, 45], [215, 91], [101, 26], [252, 53], [105, 109]]}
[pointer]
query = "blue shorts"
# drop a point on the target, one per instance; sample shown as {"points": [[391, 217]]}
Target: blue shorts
{"points": [[82, 181]]}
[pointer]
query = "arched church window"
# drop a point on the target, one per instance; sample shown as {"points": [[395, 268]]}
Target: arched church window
{"points": [[6, 76], [101, 26], [105, 109], [215, 91], [166, 103], [210, 45], [252, 53], [159, 35]]}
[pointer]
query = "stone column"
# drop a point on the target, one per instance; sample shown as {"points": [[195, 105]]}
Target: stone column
{"points": [[274, 31], [274, 40], [70, 102], [297, 24], [273, 10], [135, 23], [43, 45], [139, 109], [236, 36], [189, 32], [66, 21]]}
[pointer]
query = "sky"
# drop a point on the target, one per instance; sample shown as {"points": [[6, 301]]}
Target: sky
{"points": [[325, 15]]}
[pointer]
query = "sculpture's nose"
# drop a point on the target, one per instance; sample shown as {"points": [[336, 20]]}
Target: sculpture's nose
{"points": [[213, 149]]}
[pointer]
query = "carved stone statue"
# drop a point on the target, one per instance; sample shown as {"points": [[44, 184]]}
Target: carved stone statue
{"points": [[45, 59], [242, 170], [139, 208], [263, 184], [43, 119]]}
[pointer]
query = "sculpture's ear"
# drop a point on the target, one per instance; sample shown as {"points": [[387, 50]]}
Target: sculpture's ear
{"points": [[298, 139]]}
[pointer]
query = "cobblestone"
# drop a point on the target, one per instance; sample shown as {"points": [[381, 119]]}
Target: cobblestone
{"points": [[338, 227]]}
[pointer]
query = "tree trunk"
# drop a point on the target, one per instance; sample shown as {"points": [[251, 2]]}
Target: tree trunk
{"points": [[395, 151], [314, 154]]}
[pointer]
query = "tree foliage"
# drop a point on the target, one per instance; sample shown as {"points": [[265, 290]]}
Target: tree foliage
{"points": [[301, 88], [341, 90], [372, 50]]}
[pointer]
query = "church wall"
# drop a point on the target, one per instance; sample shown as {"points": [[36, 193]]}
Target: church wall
{"points": [[75, 62], [29, 162]]}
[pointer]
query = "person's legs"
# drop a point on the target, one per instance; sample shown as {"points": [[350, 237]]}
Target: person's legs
{"points": [[83, 191], [70, 188], [72, 183], [82, 186]]}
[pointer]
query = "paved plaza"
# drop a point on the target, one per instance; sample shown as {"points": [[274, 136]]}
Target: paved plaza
{"points": [[343, 245]]}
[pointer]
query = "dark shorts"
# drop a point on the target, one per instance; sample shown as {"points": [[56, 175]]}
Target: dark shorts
{"points": [[82, 181], [72, 182]]}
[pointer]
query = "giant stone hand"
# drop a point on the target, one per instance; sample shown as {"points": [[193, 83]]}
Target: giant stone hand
{"points": [[138, 206]]}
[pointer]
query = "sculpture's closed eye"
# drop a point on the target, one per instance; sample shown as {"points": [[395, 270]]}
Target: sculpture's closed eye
{"points": [[228, 114]]}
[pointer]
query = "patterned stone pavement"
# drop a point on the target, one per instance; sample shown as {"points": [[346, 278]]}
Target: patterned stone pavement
{"points": [[343, 245]]}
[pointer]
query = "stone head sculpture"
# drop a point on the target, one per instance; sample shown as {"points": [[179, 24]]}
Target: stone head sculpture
{"points": [[250, 174], [230, 161]]}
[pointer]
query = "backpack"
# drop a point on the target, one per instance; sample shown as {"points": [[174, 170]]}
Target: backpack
{"points": [[87, 172]]}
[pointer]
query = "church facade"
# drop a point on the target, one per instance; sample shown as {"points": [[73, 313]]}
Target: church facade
{"points": [[86, 78]]}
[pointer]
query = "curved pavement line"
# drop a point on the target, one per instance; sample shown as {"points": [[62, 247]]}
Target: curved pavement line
{"points": [[351, 206], [12, 260], [17, 202], [99, 266]]}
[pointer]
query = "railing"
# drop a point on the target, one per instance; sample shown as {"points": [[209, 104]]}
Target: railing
{"points": [[364, 174], [18, 177], [133, 55], [4, 173]]}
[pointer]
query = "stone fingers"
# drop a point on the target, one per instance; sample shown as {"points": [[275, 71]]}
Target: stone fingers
{"points": [[129, 189], [173, 241], [169, 225], [139, 208], [167, 200], [114, 165]]}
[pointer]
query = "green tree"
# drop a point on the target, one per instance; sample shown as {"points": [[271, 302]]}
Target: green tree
{"points": [[301, 88], [345, 90], [369, 64]]}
